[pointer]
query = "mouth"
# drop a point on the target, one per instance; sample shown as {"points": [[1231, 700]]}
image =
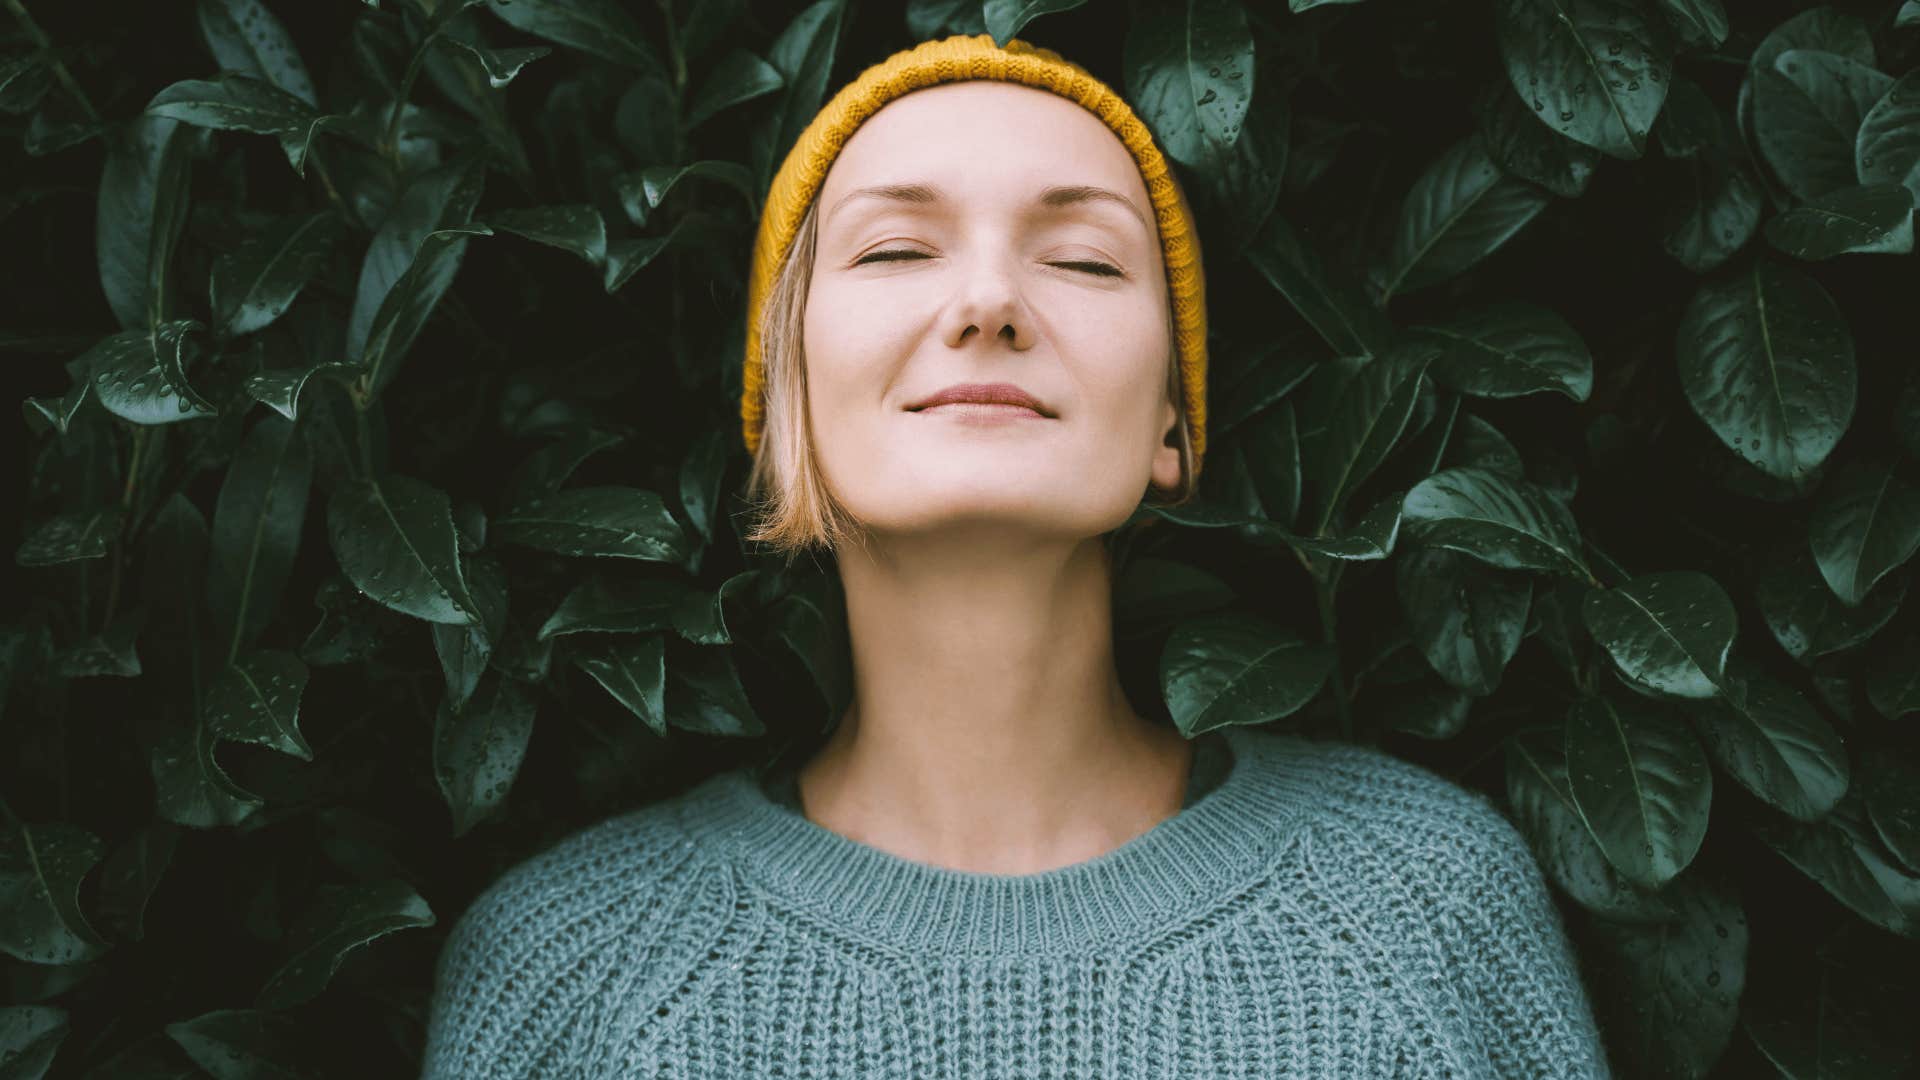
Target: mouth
{"points": [[983, 399], [983, 409]]}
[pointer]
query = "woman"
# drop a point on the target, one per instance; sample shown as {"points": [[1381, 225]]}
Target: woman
{"points": [[977, 338]]}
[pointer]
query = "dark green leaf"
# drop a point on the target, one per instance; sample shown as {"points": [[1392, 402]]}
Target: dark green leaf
{"points": [[1721, 210], [256, 699], [633, 669], [465, 650], [1893, 685], [256, 283], [577, 229], [1769, 737], [1866, 522], [130, 875], [110, 652], [339, 919], [620, 522], [43, 414], [79, 534], [700, 617], [1545, 813], [738, 77], [1876, 219], [41, 867], [1458, 211], [1005, 18], [1766, 359], [241, 1044], [232, 101], [1700, 22], [1892, 788], [704, 695], [29, 1037], [1807, 109], [1642, 784], [1190, 75], [811, 622], [626, 257], [1508, 349], [1362, 427], [1887, 148], [1496, 519], [279, 389], [244, 35], [1841, 853], [256, 530], [1669, 632], [436, 200], [1149, 593], [1682, 975], [1523, 146], [140, 375], [1595, 72], [190, 787], [1806, 617], [616, 606], [547, 468], [804, 56], [393, 536], [501, 65], [604, 28], [1230, 668], [701, 473], [405, 310], [1343, 316], [478, 747], [141, 209], [1465, 616]]}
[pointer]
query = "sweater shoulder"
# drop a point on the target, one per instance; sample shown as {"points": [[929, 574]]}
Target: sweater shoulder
{"points": [[1417, 818], [642, 846], [539, 944]]}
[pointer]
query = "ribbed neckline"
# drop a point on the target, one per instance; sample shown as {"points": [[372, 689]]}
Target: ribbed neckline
{"points": [[1185, 863]]}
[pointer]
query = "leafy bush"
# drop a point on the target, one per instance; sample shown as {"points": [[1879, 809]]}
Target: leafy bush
{"points": [[1564, 414]]}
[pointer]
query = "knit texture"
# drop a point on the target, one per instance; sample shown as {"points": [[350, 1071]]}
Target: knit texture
{"points": [[1324, 910], [954, 59]]}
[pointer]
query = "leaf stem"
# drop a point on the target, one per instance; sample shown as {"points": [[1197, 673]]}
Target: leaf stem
{"points": [[1325, 582], [673, 47], [392, 141], [126, 504], [45, 44], [326, 180]]}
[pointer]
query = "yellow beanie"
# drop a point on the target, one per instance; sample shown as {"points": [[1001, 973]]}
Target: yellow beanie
{"points": [[954, 59]]}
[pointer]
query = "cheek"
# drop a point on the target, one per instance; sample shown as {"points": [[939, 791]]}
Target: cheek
{"points": [[1121, 366]]}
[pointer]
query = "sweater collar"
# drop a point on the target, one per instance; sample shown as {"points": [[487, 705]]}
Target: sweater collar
{"points": [[1186, 863]]}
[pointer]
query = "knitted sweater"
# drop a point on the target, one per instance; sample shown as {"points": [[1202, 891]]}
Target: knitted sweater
{"points": [[1323, 910]]}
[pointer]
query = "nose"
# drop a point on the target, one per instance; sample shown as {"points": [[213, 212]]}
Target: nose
{"points": [[989, 300]]}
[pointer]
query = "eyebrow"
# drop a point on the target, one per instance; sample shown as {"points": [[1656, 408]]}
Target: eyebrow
{"points": [[1056, 197]]}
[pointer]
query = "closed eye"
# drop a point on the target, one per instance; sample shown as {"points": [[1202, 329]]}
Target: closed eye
{"points": [[1091, 266]]}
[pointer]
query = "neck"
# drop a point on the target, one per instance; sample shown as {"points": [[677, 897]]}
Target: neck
{"points": [[988, 729]]}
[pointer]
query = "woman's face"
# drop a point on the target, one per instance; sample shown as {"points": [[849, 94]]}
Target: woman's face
{"points": [[989, 271]]}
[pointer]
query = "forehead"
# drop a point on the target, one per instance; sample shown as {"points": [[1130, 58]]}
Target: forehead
{"points": [[984, 140]]}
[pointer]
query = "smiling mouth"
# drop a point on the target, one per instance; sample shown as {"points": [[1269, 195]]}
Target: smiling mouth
{"points": [[982, 410]]}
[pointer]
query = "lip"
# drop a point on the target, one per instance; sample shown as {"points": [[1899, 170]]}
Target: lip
{"points": [[983, 394]]}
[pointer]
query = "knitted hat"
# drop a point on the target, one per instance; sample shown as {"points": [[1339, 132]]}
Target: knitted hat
{"points": [[954, 59]]}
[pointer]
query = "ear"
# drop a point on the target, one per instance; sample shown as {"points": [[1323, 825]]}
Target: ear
{"points": [[1166, 456]]}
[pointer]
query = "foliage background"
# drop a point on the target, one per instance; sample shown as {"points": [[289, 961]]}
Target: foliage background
{"points": [[377, 479]]}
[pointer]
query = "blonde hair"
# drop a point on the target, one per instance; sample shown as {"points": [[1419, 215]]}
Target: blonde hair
{"points": [[792, 507]]}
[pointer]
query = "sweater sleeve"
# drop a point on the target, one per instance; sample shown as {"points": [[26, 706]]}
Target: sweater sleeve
{"points": [[1503, 947], [1507, 949], [515, 982]]}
